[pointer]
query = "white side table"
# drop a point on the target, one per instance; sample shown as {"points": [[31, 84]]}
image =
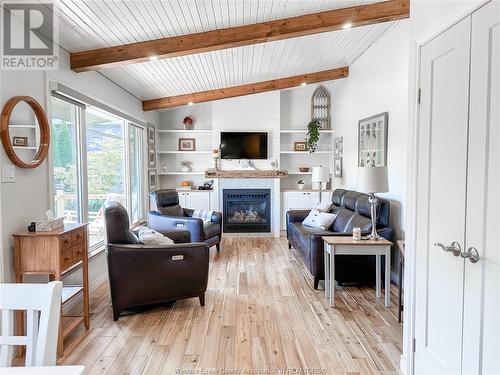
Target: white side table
{"points": [[344, 245]]}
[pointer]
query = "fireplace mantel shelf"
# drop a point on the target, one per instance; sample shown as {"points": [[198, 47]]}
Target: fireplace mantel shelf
{"points": [[245, 173]]}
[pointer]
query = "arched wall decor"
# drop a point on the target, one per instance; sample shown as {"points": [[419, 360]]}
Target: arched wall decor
{"points": [[320, 106], [43, 123]]}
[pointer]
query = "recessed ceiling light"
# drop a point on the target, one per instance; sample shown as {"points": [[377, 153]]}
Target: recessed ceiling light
{"points": [[347, 25], [190, 103], [303, 84], [153, 58]]}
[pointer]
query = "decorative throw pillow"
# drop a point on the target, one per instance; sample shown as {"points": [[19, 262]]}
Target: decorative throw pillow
{"points": [[151, 237], [323, 206], [320, 220]]}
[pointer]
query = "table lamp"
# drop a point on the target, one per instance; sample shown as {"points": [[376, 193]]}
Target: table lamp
{"points": [[320, 176], [373, 180]]}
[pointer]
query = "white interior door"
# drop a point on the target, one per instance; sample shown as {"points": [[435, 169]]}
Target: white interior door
{"points": [[441, 197], [481, 341]]}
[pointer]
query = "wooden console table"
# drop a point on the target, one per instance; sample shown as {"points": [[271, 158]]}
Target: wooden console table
{"points": [[55, 253]]}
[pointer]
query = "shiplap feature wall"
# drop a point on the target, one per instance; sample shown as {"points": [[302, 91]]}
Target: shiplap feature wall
{"points": [[101, 23]]}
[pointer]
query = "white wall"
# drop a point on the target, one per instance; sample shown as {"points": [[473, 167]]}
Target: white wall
{"points": [[28, 198], [377, 82], [258, 112]]}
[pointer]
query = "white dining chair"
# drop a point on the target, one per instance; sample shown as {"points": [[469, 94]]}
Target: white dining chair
{"points": [[41, 304]]}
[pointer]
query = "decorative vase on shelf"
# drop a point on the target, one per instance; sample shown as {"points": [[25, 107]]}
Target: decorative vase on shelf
{"points": [[185, 166], [188, 123]]}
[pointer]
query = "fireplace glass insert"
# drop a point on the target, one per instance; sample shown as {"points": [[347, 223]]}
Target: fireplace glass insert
{"points": [[247, 210]]}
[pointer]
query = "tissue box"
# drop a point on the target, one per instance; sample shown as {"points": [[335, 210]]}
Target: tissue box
{"points": [[49, 225]]}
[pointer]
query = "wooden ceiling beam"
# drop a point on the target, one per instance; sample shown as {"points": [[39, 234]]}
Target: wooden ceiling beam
{"points": [[252, 88], [240, 36]]}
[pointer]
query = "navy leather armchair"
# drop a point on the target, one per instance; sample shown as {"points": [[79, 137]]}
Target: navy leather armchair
{"points": [[166, 214], [353, 210]]}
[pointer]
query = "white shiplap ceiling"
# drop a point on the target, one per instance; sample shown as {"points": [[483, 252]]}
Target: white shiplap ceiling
{"points": [[90, 24]]}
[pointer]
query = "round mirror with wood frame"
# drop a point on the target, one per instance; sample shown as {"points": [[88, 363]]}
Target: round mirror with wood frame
{"points": [[43, 146]]}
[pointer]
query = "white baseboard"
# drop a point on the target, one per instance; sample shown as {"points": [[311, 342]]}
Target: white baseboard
{"points": [[92, 288], [402, 364]]}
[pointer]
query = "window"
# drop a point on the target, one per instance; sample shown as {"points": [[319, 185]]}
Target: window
{"points": [[135, 146], [64, 153], [97, 157]]}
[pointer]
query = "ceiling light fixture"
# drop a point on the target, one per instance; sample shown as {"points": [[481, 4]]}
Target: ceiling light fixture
{"points": [[303, 83], [190, 103], [347, 25], [153, 58]]}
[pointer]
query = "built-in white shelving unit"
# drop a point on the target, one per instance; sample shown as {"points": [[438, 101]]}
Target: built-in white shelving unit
{"points": [[194, 131], [183, 152], [292, 160], [305, 153], [181, 173], [170, 131], [23, 126], [292, 131]]}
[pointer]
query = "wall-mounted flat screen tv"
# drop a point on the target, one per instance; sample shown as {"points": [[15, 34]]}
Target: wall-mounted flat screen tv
{"points": [[243, 145]]}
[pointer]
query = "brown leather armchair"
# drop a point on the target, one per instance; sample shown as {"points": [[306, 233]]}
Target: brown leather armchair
{"points": [[167, 214], [142, 275]]}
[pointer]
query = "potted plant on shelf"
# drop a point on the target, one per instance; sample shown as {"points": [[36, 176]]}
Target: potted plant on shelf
{"points": [[185, 165], [300, 185], [312, 136], [188, 123]]}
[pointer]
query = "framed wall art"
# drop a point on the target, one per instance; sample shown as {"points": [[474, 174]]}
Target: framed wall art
{"points": [[151, 135], [187, 144], [20, 141], [299, 146], [152, 179], [337, 167], [151, 157], [338, 146], [372, 141]]}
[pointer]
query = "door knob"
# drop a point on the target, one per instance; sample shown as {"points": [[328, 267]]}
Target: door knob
{"points": [[470, 254], [453, 248]]}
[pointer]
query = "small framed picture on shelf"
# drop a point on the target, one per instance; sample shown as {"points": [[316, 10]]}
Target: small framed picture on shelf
{"points": [[187, 144], [152, 157], [20, 141], [337, 167], [151, 135], [152, 179], [299, 146]]}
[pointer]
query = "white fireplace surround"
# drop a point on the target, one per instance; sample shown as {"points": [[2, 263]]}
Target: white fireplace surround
{"points": [[255, 183]]}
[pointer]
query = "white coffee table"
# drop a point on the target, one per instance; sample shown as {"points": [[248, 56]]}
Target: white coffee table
{"points": [[345, 245]]}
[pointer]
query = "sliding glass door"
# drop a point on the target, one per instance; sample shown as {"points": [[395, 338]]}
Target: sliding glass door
{"points": [[135, 162], [104, 141], [97, 158], [65, 129]]}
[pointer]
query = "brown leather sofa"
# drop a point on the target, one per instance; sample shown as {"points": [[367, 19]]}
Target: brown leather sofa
{"points": [[142, 275], [167, 214], [353, 210]]}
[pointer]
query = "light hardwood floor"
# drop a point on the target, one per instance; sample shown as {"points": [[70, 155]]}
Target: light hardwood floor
{"points": [[261, 313]]}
